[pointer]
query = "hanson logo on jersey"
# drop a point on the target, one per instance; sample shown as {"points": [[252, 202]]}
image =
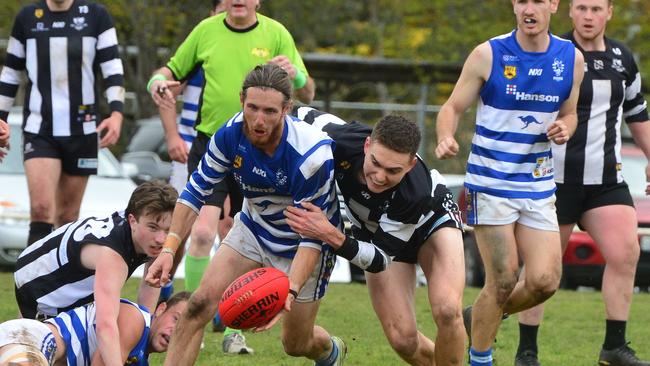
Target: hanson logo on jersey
{"points": [[511, 89]]}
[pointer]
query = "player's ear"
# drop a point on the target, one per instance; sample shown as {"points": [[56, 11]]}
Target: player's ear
{"points": [[160, 308], [366, 144], [132, 220]]}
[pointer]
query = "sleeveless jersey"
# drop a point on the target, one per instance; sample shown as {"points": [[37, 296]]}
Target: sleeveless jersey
{"points": [[301, 169], [77, 327], [510, 153]]}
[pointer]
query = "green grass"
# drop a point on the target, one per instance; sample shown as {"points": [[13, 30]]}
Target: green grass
{"points": [[571, 334]]}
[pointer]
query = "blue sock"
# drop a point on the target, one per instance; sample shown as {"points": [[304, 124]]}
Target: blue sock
{"points": [[329, 360], [477, 358]]}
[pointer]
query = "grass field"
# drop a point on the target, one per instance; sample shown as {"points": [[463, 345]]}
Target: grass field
{"points": [[571, 334]]}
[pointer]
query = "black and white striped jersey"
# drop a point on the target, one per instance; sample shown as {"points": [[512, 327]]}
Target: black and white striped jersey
{"points": [[49, 275], [61, 53], [394, 219], [610, 93]]}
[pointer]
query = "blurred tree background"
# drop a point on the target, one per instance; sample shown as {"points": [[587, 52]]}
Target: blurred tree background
{"points": [[431, 30]]}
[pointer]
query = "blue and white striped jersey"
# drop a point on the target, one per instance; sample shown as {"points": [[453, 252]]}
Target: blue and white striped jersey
{"points": [[191, 104], [301, 169], [511, 154], [77, 327]]}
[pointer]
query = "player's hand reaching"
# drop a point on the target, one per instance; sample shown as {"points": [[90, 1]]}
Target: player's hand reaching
{"points": [[309, 221], [447, 148], [287, 308], [158, 273], [558, 132]]}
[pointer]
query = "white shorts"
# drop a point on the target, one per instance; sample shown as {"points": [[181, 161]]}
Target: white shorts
{"points": [[178, 178], [486, 209], [35, 337], [241, 239]]}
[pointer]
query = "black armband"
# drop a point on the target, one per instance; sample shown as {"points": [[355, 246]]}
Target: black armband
{"points": [[348, 249]]}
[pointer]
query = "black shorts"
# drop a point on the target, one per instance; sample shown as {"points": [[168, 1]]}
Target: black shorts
{"points": [[444, 207], [221, 190], [78, 154], [572, 200]]}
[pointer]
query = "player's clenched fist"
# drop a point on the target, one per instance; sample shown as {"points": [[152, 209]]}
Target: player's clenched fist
{"points": [[447, 148]]}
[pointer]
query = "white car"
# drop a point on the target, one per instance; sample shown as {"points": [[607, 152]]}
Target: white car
{"points": [[106, 192]]}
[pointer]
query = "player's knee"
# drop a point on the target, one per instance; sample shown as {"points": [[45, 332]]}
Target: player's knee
{"points": [[202, 236], [447, 315], [625, 257], [503, 286], [404, 342], [543, 286]]}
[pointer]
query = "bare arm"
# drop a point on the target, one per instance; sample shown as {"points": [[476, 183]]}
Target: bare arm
{"points": [[110, 274], [175, 145], [307, 93], [182, 220], [311, 222], [131, 324], [567, 119], [147, 295], [475, 72]]}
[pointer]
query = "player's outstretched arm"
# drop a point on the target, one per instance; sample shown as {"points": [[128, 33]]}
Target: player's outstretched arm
{"points": [[475, 71], [560, 130], [111, 273]]}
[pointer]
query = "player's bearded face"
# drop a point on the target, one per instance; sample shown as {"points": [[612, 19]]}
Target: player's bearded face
{"points": [[533, 17], [384, 168], [590, 17], [264, 112]]}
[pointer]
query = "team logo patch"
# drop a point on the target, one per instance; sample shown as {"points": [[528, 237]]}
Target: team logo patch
{"points": [[617, 64], [87, 163], [510, 72], [558, 69], [260, 52], [79, 23], [280, 177], [345, 165], [237, 162], [38, 13]]}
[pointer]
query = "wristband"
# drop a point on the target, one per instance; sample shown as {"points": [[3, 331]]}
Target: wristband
{"points": [[168, 250], [300, 80], [154, 78], [172, 242], [294, 293]]}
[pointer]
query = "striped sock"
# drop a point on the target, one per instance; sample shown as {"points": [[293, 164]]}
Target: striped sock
{"points": [[329, 360], [478, 358]]}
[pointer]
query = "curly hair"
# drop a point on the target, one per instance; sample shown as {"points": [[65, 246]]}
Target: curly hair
{"points": [[398, 134]]}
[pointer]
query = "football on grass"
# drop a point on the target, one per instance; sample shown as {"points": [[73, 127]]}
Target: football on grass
{"points": [[254, 298]]}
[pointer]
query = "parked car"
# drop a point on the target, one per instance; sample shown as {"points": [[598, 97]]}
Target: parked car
{"points": [[146, 151], [108, 191], [583, 263]]}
